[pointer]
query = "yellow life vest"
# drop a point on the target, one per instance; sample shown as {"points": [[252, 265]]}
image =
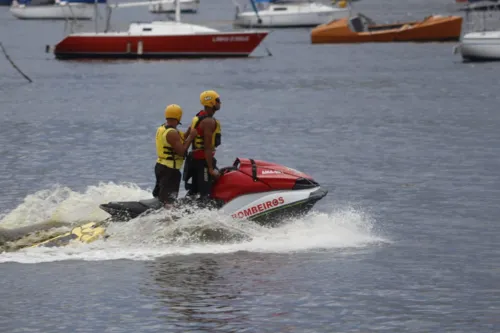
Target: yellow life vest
{"points": [[166, 154], [199, 141]]}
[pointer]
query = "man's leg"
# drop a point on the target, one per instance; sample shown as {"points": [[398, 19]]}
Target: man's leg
{"points": [[156, 190], [169, 185], [187, 174], [193, 190], [205, 185]]}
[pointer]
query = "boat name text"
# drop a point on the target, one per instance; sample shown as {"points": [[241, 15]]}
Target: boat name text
{"points": [[230, 39], [259, 208]]}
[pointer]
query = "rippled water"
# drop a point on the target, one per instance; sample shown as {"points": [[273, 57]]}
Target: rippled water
{"points": [[404, 136]]}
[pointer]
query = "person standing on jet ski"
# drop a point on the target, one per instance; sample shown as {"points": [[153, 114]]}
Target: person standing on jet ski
{"points": [[201, 163], [171, 149]]}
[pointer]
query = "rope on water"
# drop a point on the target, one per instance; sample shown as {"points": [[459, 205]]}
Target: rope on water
{"points": [[13, 64]]}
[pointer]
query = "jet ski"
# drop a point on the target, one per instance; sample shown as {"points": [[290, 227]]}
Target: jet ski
{"points": [[260, 191], [263, 192]]}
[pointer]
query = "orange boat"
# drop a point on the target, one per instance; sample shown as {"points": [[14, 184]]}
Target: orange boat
{"points": [[361, 29]]}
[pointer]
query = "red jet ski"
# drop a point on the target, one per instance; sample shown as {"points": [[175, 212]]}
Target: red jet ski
{"points": [[250, 189]]}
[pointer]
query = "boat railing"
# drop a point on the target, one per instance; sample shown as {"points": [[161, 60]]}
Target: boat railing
{"points": [[265, 5], [76, 25], [482, 16]]}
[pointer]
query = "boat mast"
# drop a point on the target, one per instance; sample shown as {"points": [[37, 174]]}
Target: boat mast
{"points": [[177, 11], [108, 18], [110, 6], [95, 14]]}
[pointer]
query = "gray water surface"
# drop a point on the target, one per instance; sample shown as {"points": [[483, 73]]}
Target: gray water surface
{"points": [[404, 136]]}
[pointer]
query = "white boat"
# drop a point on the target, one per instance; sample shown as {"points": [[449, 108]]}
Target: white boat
{"points": [[480, 46], [480, 43], [168, 6], [287, 13], [60, 10]]}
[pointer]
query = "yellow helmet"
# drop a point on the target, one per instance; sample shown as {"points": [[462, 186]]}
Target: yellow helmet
{"points": [[173, 111], [209, 98]]}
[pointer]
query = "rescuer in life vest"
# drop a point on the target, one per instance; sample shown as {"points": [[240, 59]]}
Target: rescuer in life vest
{"points": [[171, 149], [201, 163]]}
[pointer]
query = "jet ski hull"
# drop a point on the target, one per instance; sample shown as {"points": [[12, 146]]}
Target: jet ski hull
{"points": [[271, 208], [268, 208], [127, 210], [263, 192], [259, 209]]}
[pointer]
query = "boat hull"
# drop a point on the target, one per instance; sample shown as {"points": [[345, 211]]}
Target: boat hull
{"points": [[123, 45], [295, 16], [431, 29], [480, 46], [53, 12], [186, 6]]}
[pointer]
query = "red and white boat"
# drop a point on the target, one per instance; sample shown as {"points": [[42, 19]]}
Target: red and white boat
{"points": [[159, 39]]}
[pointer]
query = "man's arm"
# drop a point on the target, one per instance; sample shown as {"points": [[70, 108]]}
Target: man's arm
{"points": [[174, 139], [186, 134]]}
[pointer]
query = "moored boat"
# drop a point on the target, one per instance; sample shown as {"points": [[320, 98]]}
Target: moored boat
{"points": [[159, 39], [481, 42], [361, 29], [287, 13], [59, 10]]}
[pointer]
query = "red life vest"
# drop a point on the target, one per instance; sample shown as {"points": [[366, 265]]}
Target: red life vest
{"points": [[198, 145]]}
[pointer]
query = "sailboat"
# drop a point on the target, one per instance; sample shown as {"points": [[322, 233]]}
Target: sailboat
{"points": [[32, 2], [55, 10], [158, 39], [482, 42], [288, 13]]}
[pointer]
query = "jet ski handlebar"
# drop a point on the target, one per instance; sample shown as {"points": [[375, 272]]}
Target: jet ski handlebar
{"points": [[236, 165]]}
